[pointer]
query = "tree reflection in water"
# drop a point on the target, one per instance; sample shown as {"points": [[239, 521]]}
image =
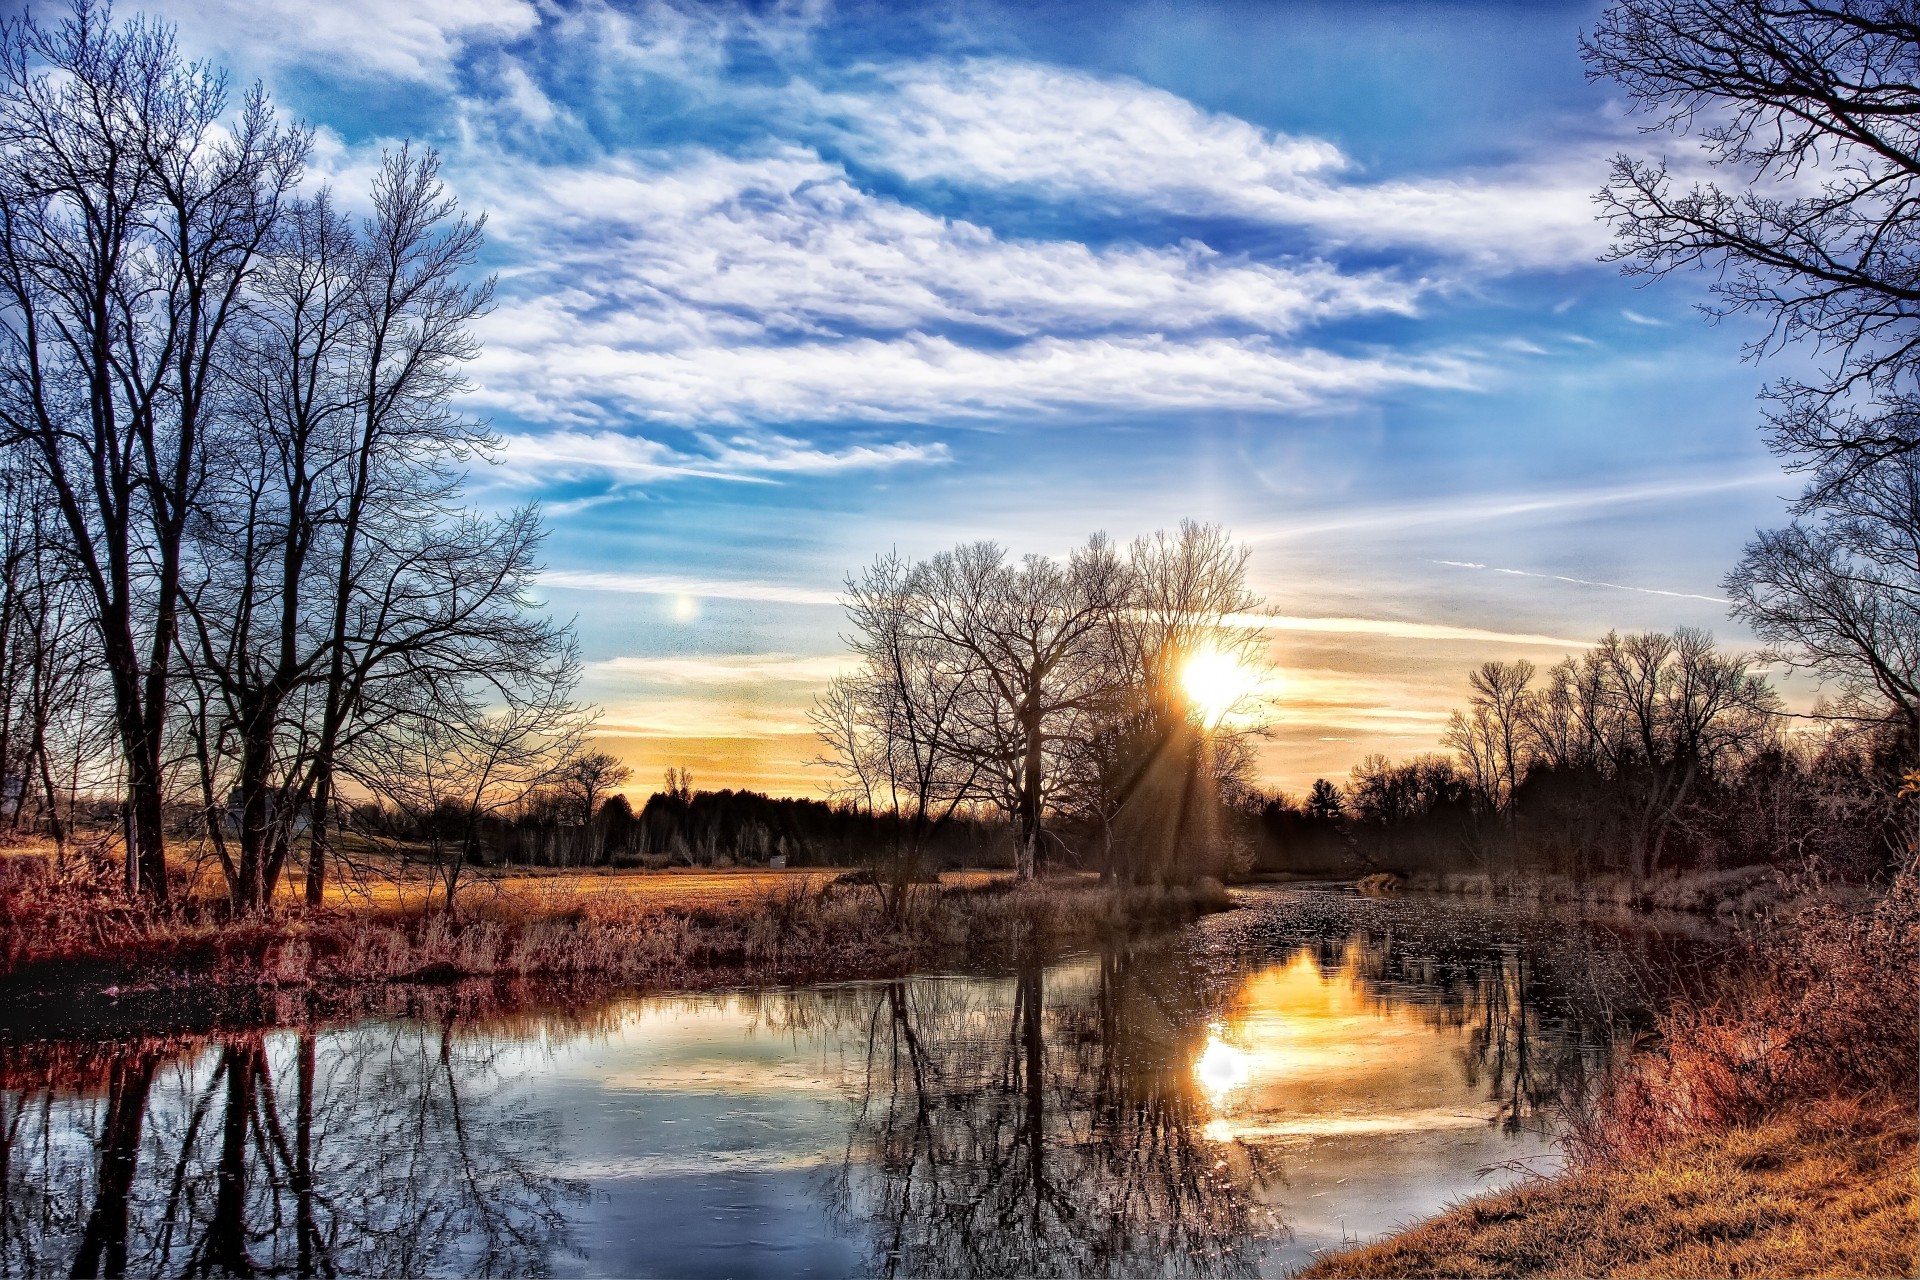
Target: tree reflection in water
{"points": [[1059, 1123], [1542, 999], [396, 1152], [1062, 1134], [1057, 1120]]}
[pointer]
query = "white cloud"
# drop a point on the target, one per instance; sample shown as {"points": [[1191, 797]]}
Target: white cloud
{"points": [[565, 455], [1071, 135], [1585, 582], [700, 716], [524, 97], [662, 584], [714, 289], [918, 377], [416, 40], [1475, 508], [732, 669], [1401, 630]]}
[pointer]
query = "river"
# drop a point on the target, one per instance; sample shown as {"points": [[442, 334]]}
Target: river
{"points": [[1310, 1069]]}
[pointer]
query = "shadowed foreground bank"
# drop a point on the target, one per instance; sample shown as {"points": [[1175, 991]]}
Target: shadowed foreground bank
{"points": [[1774, 1133]]}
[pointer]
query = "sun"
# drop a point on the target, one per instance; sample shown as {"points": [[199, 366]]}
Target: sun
{"points": [[1215, 683]]}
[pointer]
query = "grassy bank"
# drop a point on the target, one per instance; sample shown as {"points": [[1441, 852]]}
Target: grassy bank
{"points": [[1773, 1132], [1826, 1193], [639, 929]]}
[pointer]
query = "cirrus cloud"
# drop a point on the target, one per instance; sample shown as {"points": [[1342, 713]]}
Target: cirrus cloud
{"points": [[1073, 135]]}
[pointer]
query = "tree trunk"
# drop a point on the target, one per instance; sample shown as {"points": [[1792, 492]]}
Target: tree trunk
{"points": [[1028, 864], [103, 1246], [317, 835], [1033, 1038], [302, 1180], [256, 820]]}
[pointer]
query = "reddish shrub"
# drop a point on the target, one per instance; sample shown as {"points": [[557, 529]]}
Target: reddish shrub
{"points": [[1829, 1010]]}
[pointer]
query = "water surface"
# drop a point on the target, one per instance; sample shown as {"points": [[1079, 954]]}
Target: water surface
{"points": [[1313, 1069]]}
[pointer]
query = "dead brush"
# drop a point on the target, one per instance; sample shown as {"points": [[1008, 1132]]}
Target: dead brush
{"points": [[1829, 1010], [605, 933], [52, 911]]}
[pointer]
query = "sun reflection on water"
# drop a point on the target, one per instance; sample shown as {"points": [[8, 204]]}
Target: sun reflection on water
{"points": [[1221, 1067]]}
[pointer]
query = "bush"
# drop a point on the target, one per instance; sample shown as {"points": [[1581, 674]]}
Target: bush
{"points": [[1829, 1010], [1381, 884]]}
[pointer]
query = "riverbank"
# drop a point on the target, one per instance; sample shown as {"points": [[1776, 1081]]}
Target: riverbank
{"points": [[1773, 1132], [73, 931], [1830, 1192], [1737, 892]]}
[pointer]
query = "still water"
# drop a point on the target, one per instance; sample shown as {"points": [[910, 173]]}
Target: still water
{"points": [[1311, 1069]]}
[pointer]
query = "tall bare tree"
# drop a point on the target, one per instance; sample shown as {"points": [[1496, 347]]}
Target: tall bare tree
{"points": [[133, 210], [414, 313], [1809, 111], [1161, 762], [1048, 688], [1490, 737], [1674, 709], [1028, 635], [900, 728], [330, 553]]}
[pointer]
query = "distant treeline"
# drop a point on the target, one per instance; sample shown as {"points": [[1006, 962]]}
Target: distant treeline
{"points": [[1651, 753], [683, 827]]}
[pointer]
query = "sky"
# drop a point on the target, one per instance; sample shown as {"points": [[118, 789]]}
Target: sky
{"points": [[782, 287]]}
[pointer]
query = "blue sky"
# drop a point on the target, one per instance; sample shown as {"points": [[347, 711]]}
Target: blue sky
{"points": [[782, 286]]}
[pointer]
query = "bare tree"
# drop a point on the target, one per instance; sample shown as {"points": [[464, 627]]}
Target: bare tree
{"points": [[133, 208], [587, 778], [1499, 697], [1050, 688], [1490, 738], [413, 318], [1163, 763], [1028, 635], [1810, 111], [900, 728], [1675, 708], [1838, 593], [63, 705]]}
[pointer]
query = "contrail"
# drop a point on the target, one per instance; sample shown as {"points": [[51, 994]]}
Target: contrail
{"points": [[1399, 630], [1476, 509], [1585, 582]]}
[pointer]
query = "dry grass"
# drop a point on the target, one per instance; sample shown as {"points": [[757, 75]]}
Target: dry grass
{"points": [[636, 929], [1830, 1191], [671, 890], [1775, 1132]]}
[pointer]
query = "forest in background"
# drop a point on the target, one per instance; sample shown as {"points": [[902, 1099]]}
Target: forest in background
{"points": [[1650, 754]]}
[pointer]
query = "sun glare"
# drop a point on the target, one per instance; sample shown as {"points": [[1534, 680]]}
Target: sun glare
{"points": [[1221, 1067], [1216, 683]]}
